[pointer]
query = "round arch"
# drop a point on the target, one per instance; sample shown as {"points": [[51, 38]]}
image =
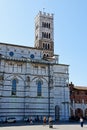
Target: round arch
{"points": [[85, 113], [78, 113]]}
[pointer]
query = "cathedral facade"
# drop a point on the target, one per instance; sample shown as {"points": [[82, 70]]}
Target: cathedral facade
{"points": [[32, 81]]}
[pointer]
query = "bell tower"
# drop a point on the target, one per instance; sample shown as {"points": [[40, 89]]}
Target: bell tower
{"points": [[44, 33]]}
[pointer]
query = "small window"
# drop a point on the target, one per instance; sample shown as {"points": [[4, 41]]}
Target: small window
{"points": [[48, 46], [49, 25], [45, 35], [44, 55], [47, 55], [44, 24], [49, 35]]}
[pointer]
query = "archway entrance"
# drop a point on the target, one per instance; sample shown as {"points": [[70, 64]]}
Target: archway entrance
{"points": [[78, 113], [86, 113]]}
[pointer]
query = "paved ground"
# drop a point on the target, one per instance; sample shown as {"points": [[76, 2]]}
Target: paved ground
{"points": [[46, 127]]}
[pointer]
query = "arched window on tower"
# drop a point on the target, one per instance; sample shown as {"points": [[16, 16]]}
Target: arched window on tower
{"points": [[45, 35], [47, 55], [49, 35], [48, 46], [44, 55], [14, 85], [44, 24], [49, 25]]}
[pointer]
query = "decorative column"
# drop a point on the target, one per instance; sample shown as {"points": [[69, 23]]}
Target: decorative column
{"points": [[73, 107]]}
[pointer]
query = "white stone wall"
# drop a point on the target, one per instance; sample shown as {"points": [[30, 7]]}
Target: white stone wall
{"points": [[61, 90], [19, 51], [26, 102], [48, 18]]}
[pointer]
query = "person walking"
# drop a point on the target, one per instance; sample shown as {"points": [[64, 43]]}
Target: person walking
{"points": [[31, 121], [44, 120], [50, 122], [81, 121]]}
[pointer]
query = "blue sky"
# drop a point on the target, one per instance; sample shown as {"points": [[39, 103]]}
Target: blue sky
{"points": [[70, 30]]}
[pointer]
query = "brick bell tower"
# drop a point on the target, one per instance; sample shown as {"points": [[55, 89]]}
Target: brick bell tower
{"points": [[44, 33]]}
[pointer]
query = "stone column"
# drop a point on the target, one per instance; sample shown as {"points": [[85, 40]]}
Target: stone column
{"points": [[73, 107]]}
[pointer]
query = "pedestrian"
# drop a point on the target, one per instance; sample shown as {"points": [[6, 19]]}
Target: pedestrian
{"points": [[44, 120], [50, 122], [31, 121], [81, 121]]}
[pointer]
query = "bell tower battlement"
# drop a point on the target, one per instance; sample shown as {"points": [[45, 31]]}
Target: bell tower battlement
{"points": [[44, 33]]}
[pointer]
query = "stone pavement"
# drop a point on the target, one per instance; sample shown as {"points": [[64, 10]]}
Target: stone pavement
{"points": [[46, 127]]}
